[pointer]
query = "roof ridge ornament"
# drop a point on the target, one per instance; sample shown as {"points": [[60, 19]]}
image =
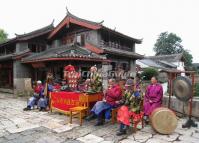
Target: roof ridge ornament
{"points": [[101, 22], [52, 23], [67, 11]]}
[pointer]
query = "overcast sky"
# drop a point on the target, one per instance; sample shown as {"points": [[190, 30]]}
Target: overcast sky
{"points": [[137, 18]]}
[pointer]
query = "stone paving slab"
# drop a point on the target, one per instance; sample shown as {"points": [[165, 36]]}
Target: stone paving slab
{"points": [[154, 140], [65, 128], [21, 129], [52, 125], [168, 138], [18, 126], [128, 141], [90, 139], [140, 136]]}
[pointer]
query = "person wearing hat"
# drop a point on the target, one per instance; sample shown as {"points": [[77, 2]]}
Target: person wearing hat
{"points": [[95, 81], [43, 103], [37, 94], [71, 76], [130, 107]]}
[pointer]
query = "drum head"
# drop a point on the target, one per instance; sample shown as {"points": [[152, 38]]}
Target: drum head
{"points": [[182, 88], [163, 120]]}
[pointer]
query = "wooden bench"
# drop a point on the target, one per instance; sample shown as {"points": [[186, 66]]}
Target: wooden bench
{"points": [[114, 115], [82, 109]]}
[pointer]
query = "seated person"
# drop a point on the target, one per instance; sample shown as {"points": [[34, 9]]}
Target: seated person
{"points": [[130, 108], [36, 95], [44, 100], [95, 80], [153, 97], [65, 87], [83, 85], [57, 86], [101, 108]]}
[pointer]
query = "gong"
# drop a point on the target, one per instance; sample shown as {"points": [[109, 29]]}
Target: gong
{"points": [[182, 88]]}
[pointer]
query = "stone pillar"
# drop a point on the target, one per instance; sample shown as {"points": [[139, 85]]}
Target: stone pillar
{"points": [[105, 68], [132, 68], [21, 78]]}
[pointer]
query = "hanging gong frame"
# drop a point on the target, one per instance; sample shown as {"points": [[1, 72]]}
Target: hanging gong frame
{"points": [[182, 88], [172, 78]]}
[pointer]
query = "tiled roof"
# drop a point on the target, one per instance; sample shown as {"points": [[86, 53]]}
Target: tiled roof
{"points": [[123, 53], [167, 64], [73, 52], [83, 20], [138, 41], [6, 57], [158, 64], [168, 58], [89, 24], [150, 63], [27, 36], [14, 55], [104, 27], [36, 33]]}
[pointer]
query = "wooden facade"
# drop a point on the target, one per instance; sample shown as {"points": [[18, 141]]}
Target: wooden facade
{"points": [[75, 41]]}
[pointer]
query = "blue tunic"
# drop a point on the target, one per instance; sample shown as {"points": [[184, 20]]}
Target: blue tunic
{"points": [[100, 107], [34, 99], [43, 101]]}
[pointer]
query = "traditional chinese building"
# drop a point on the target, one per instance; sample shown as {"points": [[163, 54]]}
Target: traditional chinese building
{"points": [[75, 41]]}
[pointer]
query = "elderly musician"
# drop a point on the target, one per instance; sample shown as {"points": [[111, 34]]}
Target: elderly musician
{"points": [[102, 108]]}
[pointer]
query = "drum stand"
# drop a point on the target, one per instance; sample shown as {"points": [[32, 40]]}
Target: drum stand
{"points": [[189, 123]]}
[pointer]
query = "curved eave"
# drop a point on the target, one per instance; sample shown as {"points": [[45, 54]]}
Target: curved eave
{"points": [[9, 41], [66, 58], [69, 19], [137, 41], [123, 54], [18, 57]]}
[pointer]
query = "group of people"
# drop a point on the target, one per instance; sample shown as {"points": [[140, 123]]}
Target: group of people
{"points": [[129, 102], [128, 98], [71, 80]]}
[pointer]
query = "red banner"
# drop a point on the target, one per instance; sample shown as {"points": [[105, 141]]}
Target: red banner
{"points": [[64, 100]]}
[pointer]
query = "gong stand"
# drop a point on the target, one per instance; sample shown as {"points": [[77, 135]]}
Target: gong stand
{"points": [[172, 76]]}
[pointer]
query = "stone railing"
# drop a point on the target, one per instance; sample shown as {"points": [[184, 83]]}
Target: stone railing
{"points": [[182, 107]]}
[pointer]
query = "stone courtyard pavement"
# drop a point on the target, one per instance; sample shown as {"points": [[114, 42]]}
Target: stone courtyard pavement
{"points": [[18, 126]]}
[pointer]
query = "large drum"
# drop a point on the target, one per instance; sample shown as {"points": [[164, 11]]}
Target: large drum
{"points": [[163, 120]]}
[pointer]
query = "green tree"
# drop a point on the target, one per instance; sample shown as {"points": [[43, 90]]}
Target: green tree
{"points": [[3, 36], [170, 43], [188, 58], [148, 73]]}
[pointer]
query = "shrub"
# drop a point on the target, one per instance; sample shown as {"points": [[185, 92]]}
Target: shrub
{"points": [[148, 73]]}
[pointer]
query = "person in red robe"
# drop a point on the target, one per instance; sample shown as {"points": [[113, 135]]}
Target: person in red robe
{"points": [[103, 108], [153, 97], [36, 96], [71, 77]]}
